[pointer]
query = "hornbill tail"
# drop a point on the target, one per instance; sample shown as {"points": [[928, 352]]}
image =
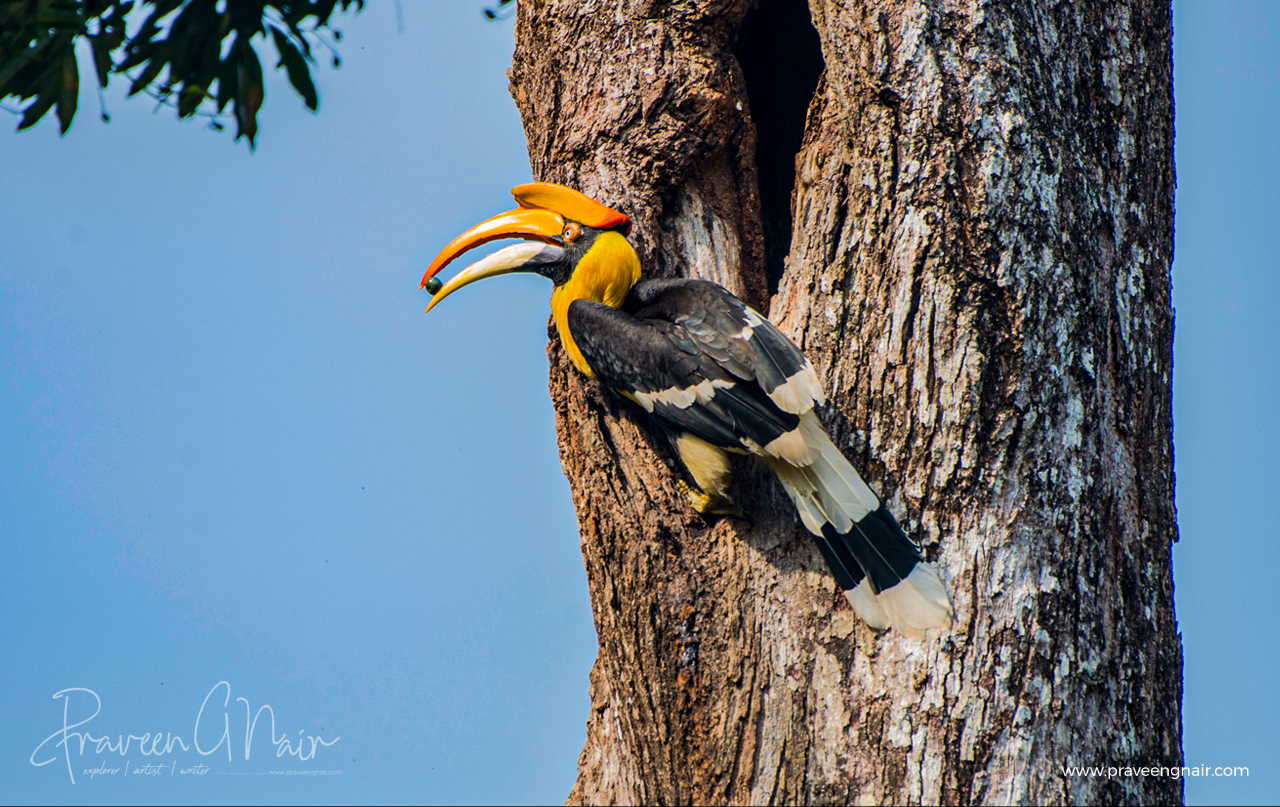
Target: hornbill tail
{"points": [[881, 571]]}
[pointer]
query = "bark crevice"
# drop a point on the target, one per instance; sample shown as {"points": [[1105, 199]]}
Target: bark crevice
{"points": [[780, 53]]}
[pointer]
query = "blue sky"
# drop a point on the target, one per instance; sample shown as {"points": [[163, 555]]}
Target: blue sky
{"points": [[233, 449], [1226, 372]]}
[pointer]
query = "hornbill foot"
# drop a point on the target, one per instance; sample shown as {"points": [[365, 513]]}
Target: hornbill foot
{"points": [[709, 504]]}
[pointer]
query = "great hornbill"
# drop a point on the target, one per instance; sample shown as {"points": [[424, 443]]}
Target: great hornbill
{"points": [[716, 376]]}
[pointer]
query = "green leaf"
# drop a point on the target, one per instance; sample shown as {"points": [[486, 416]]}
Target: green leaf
{"points": [[249, 94], [300, 36], [101, 58], [228, 81], [10, 69], [58, 18], [69, 95], [175, 51], [296, 66], [28, 66], [189, 99], [323, 9], [32, 114], [149, 73]]}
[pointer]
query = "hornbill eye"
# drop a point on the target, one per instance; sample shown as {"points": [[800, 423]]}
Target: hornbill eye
{"points": [[572, 232]]}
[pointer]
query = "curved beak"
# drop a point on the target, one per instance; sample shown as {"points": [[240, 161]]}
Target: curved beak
{"points": [[528, 223], [517, 258]]}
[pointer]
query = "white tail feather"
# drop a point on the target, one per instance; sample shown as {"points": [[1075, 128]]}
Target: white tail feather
{"points": [[829, 490], [804, 495], [867, 606], [792, 447], [838, 482], [918, 603]]}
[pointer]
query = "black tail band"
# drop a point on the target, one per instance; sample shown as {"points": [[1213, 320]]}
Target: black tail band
{"points": [[876, 546]]}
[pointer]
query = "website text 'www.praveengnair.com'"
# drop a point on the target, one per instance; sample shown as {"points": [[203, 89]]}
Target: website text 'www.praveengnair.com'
{"points": [[1128, 771]]}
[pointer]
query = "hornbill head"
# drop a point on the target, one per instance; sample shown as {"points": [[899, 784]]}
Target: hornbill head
{"points": [[580, 244]]}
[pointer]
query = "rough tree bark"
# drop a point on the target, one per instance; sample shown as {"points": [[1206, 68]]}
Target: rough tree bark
{"points": [[972, 241]]}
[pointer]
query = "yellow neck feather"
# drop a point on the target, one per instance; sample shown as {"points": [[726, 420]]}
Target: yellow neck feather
{"points": [[605, 274]]}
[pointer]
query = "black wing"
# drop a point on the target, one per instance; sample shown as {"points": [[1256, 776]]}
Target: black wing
{"points": [[735, 335], [696, 356]]}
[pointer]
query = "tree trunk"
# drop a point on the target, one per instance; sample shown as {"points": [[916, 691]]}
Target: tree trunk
{"points": [[963, 213]]}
